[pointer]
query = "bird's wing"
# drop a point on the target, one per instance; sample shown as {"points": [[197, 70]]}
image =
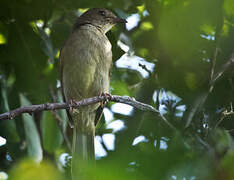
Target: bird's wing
{"points": [[62, 90]]}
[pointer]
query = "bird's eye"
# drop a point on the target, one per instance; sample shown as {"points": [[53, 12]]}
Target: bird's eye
{"points": [[102, 13]]}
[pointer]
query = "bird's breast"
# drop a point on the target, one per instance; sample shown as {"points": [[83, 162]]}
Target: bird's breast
{"points": [[107, 46], [87, 60]]}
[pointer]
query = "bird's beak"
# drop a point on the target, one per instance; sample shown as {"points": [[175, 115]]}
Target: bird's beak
{"points": [[120, 20]]}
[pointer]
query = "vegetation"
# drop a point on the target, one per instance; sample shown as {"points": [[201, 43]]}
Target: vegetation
{"points": [[177, 57]]}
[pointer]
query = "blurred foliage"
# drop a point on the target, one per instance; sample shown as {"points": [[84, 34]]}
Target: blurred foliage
{"points": [[190, 45], [28, 169]]}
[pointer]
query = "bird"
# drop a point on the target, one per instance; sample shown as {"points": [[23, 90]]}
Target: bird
{"points": [[85, 63]]}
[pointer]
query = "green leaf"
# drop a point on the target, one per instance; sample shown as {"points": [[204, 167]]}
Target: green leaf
{"points": [[3, 33], [119, 88], [191, 80], [228, 7], [32, 136], [46, 45], [28, 170], [51, 134], [146, 26], [8, 128]]}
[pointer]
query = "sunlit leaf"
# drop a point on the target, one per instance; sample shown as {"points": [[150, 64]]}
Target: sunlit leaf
{"points": [[191, 81], [49, 68], [146, 26], [28, 170], [82, 10], [143, 52], [2, 39], [3, 34], [208, 29], [141, 8], [225, 30]]}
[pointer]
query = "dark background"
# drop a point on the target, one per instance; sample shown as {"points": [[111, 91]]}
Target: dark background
{"points": [[191, 44]]}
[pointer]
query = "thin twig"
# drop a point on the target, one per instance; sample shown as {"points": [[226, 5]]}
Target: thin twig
{"points": [[213, 63], [145, 68], [225, 114], [230, 130], [53, 106], [205, 144], [223, 69]]}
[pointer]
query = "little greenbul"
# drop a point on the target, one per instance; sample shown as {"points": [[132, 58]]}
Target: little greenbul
{"points": [[85, 63]]}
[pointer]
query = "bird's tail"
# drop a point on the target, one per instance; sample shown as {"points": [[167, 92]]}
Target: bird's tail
{"points": [[82, 148], [83, 144]]}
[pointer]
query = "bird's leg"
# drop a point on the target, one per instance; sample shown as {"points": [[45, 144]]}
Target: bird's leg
{"points": [[72, 103], [105, 95]]}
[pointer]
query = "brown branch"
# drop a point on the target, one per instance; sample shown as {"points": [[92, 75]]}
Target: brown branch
{"points": [[53, 106], [202, 99]]}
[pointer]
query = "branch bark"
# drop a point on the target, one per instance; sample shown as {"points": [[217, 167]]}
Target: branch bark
{"points": [[85, 102]]}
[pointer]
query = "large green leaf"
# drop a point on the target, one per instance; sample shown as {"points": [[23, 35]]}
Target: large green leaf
{"points": [[32, 136], [51, 134], [8, 128]]}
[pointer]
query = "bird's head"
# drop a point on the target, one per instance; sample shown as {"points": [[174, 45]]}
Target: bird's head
{"points": [[102, 18]]}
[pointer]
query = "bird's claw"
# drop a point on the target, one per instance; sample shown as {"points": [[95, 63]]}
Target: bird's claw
{"points": [[72, 103], [106, 96]]}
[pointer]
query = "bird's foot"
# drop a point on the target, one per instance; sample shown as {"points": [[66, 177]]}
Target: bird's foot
{"points": [[106, 96], [72, 103]]}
